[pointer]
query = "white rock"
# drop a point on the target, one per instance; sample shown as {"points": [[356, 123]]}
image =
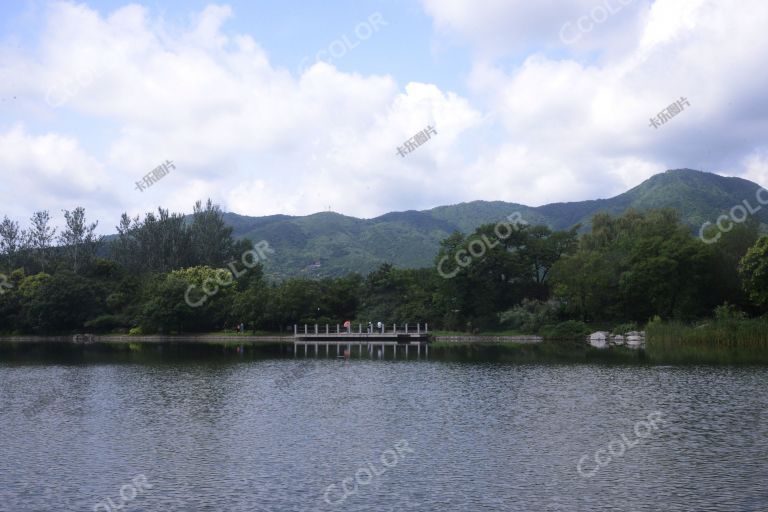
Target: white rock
{"points": [[598, 339], [636, 339]]}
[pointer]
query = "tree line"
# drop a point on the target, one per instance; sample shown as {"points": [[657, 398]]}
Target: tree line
{"points": [[626, 269]]}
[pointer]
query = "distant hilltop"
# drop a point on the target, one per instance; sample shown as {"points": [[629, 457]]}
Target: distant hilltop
{"points": [[331, 244]]}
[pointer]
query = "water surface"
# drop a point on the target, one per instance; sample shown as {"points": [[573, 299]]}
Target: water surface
{"points": [[274, 434]]}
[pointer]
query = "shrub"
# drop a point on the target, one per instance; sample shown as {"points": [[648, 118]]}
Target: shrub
{"points": [[530, 315], [729, 312], [571, 329], [624, 328], [104, 323]]}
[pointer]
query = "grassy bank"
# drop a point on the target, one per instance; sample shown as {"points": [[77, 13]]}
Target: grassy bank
{"points": [[737, 333], [716, 341]]}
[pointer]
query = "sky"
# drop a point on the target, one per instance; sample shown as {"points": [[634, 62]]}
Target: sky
{"points": [[296, 107]]}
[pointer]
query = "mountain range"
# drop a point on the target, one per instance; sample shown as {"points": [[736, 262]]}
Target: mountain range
{"points": [[331, 244]]}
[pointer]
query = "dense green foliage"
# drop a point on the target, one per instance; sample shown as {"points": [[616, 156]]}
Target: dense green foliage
{"points": [[328, 244], [168, 274], [754, 272]]}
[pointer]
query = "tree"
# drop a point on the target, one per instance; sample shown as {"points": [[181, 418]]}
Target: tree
{"points": [[125, 249], [190, 299], [496, 267], [12, 240], [250, 304], [586, 283], [159, 243], [60, 302], [211, 238], [636, 266], [40, 237], [753, 270], [79, 242], [731, 246]]}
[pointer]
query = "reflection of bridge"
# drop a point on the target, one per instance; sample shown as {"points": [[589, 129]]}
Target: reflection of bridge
{"points": [[373, 339]]}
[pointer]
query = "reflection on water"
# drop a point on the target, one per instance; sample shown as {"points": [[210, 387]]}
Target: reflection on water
{"points": [[273, 435]]}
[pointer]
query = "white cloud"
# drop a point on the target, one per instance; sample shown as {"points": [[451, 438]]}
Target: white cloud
{"points": [[49, 171], [556, 122], [578, 128], [756, 165], [238, 129], [496, 28]]}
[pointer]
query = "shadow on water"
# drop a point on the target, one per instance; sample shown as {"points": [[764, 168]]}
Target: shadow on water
{"points": [[96, 353], [557, 352]]}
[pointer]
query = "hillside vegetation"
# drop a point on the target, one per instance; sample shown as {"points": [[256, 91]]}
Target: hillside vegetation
{"points": [[329, 244]]}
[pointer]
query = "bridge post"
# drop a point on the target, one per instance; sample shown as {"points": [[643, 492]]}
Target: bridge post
{"points": [[305, 328], [418, 328], [406, 328], [315, 328], [295, 329], [326, 328]]}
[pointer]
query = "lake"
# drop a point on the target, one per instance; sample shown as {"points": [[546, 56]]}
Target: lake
{"points": [[282, 434]]}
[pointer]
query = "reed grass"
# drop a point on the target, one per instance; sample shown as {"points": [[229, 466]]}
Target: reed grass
{"points": [[729, 333]]}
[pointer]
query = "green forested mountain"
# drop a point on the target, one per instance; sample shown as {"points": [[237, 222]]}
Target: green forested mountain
{"points": [[168, 272], [330, 244]]}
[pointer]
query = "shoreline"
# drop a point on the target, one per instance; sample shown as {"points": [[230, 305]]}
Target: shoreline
{"points": [[88, 339], [493, 349]]}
